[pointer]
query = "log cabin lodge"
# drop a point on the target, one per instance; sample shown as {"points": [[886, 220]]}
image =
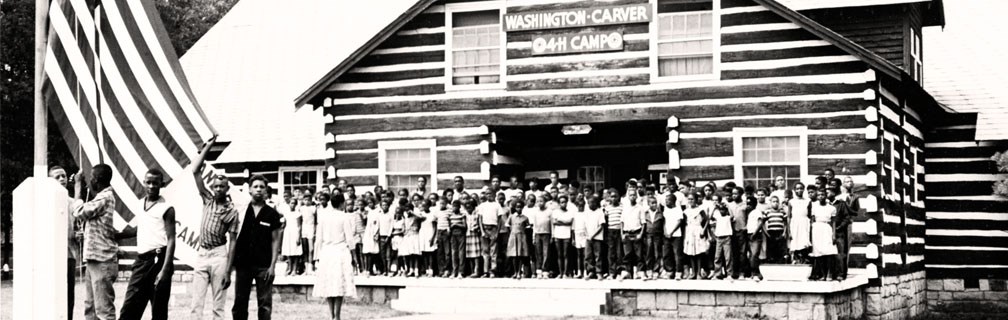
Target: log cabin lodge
{"points": [[705, 90]]}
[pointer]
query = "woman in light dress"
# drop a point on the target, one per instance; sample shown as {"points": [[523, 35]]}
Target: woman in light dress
{"points": [[334, 235], [695, 243], [824, 247], [290, 246], [371, 247]]}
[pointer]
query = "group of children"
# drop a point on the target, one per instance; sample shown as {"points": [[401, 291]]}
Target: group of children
{"points": [[564, 231]]}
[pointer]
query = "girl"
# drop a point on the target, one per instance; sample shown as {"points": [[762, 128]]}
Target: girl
{"points": [[562, 221], [308, 212], [799, 226], [291, 246], [428, 246], [695, 243], [580, 235], [824, 247], [398, 229], [517, 246], [359, 217], [370, 247], [335, 274], [474, 240], [409, 248]]}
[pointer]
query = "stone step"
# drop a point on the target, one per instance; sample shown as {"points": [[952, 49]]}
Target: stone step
{"points": [[505, 301]]}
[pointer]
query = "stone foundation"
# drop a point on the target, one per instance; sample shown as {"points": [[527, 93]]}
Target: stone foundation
{"points": [[899, 297], [846, 304], [953, 297], [365, 294]]}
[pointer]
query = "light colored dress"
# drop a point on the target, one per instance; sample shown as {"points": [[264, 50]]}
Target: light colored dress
{"points": [[427, 233], [693, 244], [822, 231], [410, 244], [334, 276], [800, 227], [473, 239], [370, 245], [291, 242], [516, 245]]}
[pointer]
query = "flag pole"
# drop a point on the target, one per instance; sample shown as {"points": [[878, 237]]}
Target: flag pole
{"points": [[40, 164]]}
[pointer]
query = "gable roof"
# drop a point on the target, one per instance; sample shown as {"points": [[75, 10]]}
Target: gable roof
{"points": [[934, 14], [963, 66], [249, 67]]}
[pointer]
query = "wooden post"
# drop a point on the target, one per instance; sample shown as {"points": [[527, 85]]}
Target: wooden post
{"points": [[40, 245]]}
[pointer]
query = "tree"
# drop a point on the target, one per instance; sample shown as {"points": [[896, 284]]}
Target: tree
{"points": [[1001, 160]]}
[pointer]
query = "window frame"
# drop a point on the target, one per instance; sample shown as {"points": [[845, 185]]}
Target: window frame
{"points": [[452, 8], [739, 133], [916, 51], [385, 146], [715, 45], [282, 183]]}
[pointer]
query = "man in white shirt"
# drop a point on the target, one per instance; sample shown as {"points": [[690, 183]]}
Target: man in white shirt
{"points": [[673, 246], [633, 237], [151, 279], [489, 211]]}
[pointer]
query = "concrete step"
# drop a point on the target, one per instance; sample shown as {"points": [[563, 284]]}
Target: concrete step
{"points": [[504, 301]]}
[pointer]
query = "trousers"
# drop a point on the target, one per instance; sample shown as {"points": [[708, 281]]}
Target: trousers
{"points": [[243, 289], [100, 296], [209, 269], [143, 289]]}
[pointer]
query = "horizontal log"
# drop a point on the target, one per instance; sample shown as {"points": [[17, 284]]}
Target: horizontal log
{"points": [[840, 143], [386, 92], [568, 5], [356, 161], [971, 152], [913, 249], [390, 76], [967, 257], [449, 161], [804, 70], [853, 121], [951, 135], [601, 98], [842, 166], [664, 7], [738, 56], [967, 241], [767, 36], [581, 82], [578, 66], [413, 40], [969, 224], [361, 181], [425, 20], [705, 147], [983, 166], [961, 188], [400, 58], [915, 213], [738, 3], [894, 228], [440, 141], [760, 17], [704, 172], [625, 29], [967, 272], [628, 46]]}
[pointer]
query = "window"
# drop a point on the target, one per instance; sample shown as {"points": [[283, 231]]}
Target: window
{"points": [[591, 176], [916, 63], [400, 163], [475, 46], [300, 179], [765, 153], [685, 39]]}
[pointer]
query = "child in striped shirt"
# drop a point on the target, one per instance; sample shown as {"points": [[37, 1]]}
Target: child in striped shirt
{"points": [[776, 231]]}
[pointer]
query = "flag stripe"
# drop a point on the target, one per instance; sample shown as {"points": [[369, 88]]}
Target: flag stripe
{"points": [[173, 103], [125, 89], [69, 107], [123, 189], [63, 60], [157, 40]]}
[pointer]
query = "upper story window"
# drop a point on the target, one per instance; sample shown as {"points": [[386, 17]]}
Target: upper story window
{"points": [[916, 65], [686, 39], [475, 43]]}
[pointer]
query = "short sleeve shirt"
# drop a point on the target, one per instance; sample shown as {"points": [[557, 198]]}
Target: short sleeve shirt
{"points": [[594, 219], [218, 220]]}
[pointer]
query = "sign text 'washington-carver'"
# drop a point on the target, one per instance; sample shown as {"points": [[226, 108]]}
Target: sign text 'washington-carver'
{"points": [[580, 17]]}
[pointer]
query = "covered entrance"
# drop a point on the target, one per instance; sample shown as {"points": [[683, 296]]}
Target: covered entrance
{"points": [[597, 155]]}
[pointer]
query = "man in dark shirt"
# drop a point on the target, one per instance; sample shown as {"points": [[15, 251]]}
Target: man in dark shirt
{"points": [[842, 229], [256, 251]]}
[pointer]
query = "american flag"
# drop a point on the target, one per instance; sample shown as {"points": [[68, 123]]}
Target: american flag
{"points": [[116, 90]]}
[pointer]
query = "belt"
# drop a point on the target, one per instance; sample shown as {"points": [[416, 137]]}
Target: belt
{"points": [[152, 253]]}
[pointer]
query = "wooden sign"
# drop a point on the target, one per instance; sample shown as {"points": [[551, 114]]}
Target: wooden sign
{"points": [[579, 17], [577, 42]]}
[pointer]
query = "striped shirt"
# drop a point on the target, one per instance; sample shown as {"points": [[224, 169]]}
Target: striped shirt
{"points": [[456, 221], [775, 220], [218, 221], [99, 233], [614, 217]]}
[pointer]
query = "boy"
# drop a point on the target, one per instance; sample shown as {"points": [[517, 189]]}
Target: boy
{"points": [[385, 233], [723, 228], [155, 243], [562, 221], [457, 229], [614, 228], [841, 225], [653, 238], [489, 211], [754, 226], [443, 253], [776, 231], [594, 221], [675, 220], [100, 247], [737, 208], [633, 237], [542, 229]]}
